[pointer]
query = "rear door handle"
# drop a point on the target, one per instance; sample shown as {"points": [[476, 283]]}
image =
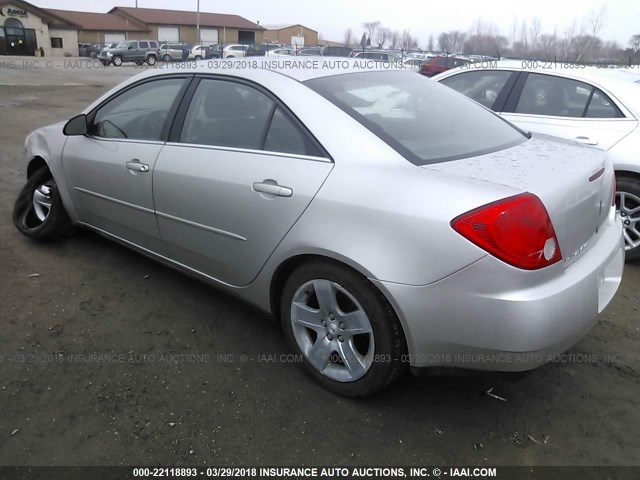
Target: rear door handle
{"points": [[586, 140], [272, 189], [136, 166]]}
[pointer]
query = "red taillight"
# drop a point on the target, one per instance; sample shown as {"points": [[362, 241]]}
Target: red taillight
{"points": [[517, 230]]}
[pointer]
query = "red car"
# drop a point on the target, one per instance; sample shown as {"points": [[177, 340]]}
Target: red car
{"points": [[436, 65]]}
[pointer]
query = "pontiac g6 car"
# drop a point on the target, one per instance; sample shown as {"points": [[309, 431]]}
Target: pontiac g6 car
{"points": [[387, 220]]}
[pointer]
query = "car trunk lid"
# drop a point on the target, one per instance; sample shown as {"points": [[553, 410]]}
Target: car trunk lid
{"points": [[574, 182]]}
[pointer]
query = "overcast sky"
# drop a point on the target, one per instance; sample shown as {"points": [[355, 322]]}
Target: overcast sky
{"points": [[422, 17]]}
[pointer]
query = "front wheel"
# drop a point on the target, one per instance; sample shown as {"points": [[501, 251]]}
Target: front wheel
{"points": [[198, 57], [38, 212], [166, 58], [628, 207], [117, 61], [347, 333]]}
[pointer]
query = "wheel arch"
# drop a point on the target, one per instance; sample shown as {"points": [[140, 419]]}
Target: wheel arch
{"points": [[35, 164], [287, 266], [627, 174]]}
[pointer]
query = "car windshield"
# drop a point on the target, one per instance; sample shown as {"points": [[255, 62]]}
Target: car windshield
{"points": [[123, 45], [422, 120]]}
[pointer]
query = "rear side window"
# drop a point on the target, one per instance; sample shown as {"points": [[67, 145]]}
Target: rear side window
{"points": [[285, 136], [564, 97], [422, 120], [229, 114], [153, 44], [602, 106], [483, 86], [555, 96]]}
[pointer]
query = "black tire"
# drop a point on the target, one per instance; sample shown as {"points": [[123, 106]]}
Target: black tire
{"points": [[152, 60], [198, 57], [630, 186], [167, 58], [56, 224], [117, 60], [388, 337]]}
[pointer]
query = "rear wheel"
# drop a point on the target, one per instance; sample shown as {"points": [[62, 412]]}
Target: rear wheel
{"points": [[38, 212], [198, 57], [152, 60], [628, 207], [167, 58], [347, 333]]}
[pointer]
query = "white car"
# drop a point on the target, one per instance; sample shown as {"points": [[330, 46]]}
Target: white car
{"points": [[233, 51], [281, 52], [594, 106], [413, 64], [198, 52]]}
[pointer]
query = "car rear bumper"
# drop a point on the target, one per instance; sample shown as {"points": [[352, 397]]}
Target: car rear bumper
{"points": [[491, 316]]}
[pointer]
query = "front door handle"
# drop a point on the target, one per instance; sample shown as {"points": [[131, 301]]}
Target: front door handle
{"points": [[586, 140], [136, 166], [272, 189]]}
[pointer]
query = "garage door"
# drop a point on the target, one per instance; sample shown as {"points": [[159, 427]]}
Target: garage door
{"points": [[168, 34], [297, 41], [209, 35], [114, 37]]}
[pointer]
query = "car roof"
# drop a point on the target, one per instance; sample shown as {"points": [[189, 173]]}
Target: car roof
{"points": [[297, 68]]}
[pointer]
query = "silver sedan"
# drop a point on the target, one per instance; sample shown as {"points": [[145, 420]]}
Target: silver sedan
{"points": [[387, 220]]}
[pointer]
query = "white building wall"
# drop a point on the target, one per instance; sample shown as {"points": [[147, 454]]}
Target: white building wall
{"points": [[43, 35], [69, 43]]}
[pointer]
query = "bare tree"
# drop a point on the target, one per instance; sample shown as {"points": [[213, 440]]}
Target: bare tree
{"points": [[431, 45], [597, 20], [451, 42], [382, 35], [534, 32], [348, 37], [371, 28], [635, 43], [394, 39]]}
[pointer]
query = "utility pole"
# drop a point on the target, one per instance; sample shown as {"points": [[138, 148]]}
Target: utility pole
{"points": [[197, 21]]}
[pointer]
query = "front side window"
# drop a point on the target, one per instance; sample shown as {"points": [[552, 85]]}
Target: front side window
{"points": [[482, 86], [139, 113], [422, 120], [144, 45]]}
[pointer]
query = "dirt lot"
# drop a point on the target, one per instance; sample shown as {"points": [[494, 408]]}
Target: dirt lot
{"points": [[107, 358]]}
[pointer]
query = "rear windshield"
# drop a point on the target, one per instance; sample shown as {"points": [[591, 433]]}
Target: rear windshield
{"points": [[422, 120]]}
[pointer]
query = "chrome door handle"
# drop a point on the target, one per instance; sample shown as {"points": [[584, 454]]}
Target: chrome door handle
{"points": [[136, 166], [586, 140], [272, 189]]}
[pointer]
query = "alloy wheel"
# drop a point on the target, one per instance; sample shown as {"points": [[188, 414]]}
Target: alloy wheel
{"points": [[332, 330], [41, 203], [628, 207]]}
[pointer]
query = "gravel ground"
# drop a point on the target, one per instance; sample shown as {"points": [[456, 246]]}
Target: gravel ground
{"points": [[107, 358]]}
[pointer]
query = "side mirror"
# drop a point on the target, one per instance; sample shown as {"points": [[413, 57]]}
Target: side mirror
{"points": [[76, 126]]}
